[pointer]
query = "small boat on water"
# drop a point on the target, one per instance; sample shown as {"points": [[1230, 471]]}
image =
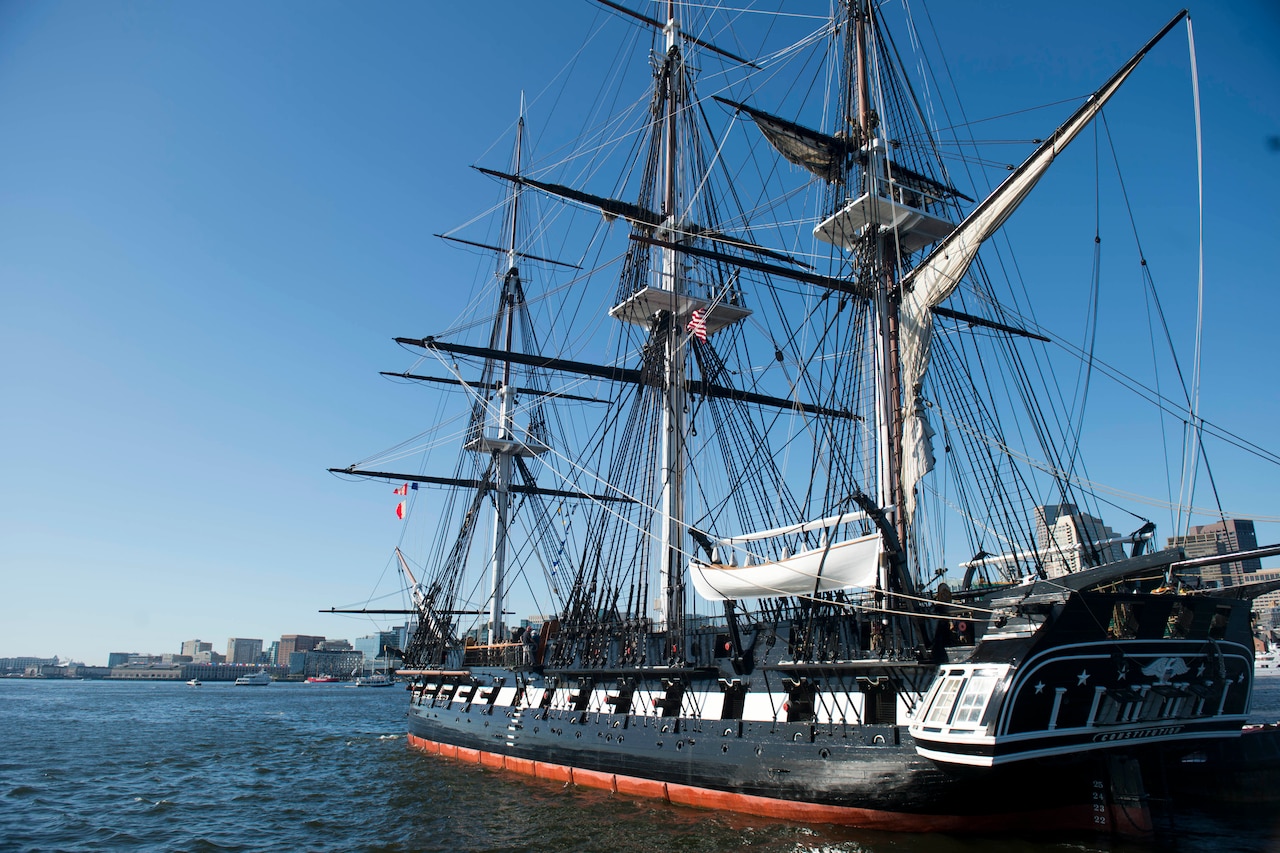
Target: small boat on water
{"points": [[1267, 663], [258, 679], [195, 682], [376, 679], [322, 679]]}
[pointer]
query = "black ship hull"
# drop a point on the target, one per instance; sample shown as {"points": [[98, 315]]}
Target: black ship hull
{"points": [[869, 776], [1052, 721]]}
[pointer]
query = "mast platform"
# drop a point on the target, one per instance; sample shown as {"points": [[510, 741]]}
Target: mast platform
{"points": [[506, 446], [648, 301], [915, 228]]}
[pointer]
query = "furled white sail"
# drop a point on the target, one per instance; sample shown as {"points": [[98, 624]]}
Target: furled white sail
{"points": [[803, 527], [844, 565], [937, 277]]}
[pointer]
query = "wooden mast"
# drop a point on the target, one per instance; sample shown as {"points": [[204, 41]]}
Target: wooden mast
{"points": [[503, 449], [888, 299], [671, 565]]}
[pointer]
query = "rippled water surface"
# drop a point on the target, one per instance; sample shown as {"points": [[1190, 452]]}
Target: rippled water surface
{"points": [[120, 766]]}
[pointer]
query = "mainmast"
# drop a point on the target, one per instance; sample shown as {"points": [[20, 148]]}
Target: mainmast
{"points": [[671, 566], [888, 387], [890, 215], [665, 305]]}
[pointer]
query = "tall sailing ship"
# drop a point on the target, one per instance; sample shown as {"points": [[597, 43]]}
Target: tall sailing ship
{"points": [[729, 475]]}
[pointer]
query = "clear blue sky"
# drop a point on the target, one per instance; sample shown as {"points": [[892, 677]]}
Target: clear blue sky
{"points": [[215, 217]]}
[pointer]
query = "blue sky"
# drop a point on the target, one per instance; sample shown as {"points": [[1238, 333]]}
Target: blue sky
{"points": [[215, 217]]}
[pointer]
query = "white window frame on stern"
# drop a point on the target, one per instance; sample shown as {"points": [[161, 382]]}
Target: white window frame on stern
{"points": [[943, 701], [960, 701], [971, 706]]}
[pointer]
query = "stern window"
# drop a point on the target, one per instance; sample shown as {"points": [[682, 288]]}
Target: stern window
{"points": [[974, 700], [940, 710]]}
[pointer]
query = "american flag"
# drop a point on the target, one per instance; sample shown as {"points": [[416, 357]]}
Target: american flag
{"points": [[698, 325]]}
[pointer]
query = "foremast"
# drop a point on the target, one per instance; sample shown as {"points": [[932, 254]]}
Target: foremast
{"points": [[497, 449], [506, 445]]}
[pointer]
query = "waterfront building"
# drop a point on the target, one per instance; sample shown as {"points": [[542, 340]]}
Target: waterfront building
{"points": [[195, 647], [208, 657], [339, 664], [273, 652], [117, 658], [19, 666], [46, 671], [147, 672], [290, 643], [372, 645], [229, 671], [79, 670], [136, 659], [240, 650]]}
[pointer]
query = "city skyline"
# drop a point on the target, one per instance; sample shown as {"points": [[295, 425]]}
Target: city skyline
{"points": [[184, 645]]}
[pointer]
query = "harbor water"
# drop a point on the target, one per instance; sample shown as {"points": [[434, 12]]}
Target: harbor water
{"points": [[134, 766]]}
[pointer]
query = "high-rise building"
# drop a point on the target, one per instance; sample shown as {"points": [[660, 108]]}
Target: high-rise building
{"points": [[372, 646], [195, 647], [1067, 540], [290, 643], [240, 650], [273, 653], [1222, 537]]}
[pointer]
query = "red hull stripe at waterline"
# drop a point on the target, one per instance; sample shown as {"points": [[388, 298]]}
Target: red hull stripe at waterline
{"points": [[1117, 818]]}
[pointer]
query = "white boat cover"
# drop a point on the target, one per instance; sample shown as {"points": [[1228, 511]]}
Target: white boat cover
{"points": [[845, 565]]}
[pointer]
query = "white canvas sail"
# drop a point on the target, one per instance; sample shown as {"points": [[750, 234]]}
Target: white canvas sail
{"points": [[844, 565], [937, 277]]}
